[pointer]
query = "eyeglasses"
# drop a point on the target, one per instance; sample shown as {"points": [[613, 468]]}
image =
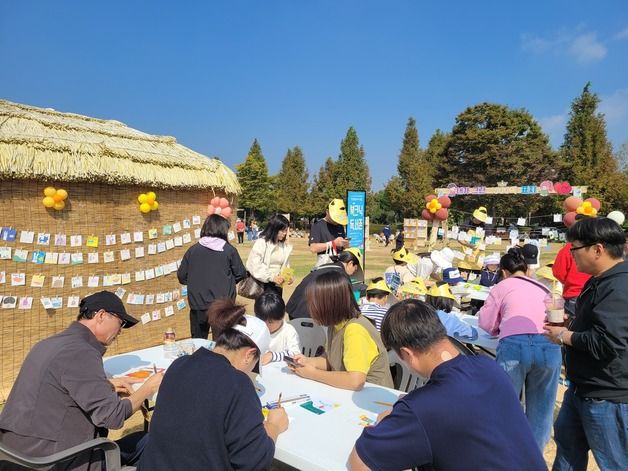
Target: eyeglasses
{"points": [[122, 321], [573, 249]]}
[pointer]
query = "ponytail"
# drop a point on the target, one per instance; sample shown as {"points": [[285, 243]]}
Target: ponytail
{"points": [[222, 315]]}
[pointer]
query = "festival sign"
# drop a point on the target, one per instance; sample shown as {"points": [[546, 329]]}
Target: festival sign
{"points": [[543, 189]]}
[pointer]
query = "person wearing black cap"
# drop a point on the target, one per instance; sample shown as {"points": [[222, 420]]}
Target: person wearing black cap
{"points": [[62, 397]]}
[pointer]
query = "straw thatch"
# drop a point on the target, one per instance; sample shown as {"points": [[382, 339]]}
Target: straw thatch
{"points": [[38, 143]]}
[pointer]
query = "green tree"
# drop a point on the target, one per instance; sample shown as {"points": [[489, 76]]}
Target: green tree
{"points": [[394, 196], [351, 169], [435, 152], [490, 143], [291, 184], [588, 154], [323, 189], [255, 182]]}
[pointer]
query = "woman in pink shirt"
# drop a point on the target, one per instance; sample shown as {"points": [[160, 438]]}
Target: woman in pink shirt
{"points": [[515, 311]]}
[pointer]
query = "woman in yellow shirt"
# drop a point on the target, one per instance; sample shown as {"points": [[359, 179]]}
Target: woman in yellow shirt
{"points": [[354, 352]]}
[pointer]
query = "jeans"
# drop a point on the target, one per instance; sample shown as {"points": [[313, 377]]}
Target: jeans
{"points": [[531, 360], [583, 424]]}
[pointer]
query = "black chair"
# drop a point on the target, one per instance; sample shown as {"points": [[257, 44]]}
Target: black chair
{"points": [[109, 448]]}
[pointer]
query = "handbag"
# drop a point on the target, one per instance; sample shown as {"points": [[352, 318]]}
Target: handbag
{"points": [[250, 288]]}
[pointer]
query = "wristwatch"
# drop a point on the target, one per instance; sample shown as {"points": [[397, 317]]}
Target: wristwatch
{"points": [[560, 337]]}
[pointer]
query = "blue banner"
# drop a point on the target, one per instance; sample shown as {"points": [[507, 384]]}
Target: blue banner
{"points": [[356, 212]]}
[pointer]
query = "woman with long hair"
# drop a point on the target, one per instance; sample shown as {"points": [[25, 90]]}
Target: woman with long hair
{"points": [[354, 352], [515, 310], [210, 269], [269, 254], [208, 415]]}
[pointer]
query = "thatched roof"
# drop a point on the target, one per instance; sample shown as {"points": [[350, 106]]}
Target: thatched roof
{"points": [[40, 143]]}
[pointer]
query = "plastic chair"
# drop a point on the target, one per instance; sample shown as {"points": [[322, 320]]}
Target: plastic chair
{"points": [[311, 335], [461, 347], [109, 447], [408, 380]]}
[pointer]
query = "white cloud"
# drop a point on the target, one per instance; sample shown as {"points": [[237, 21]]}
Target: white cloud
{"points": [[615, 106], [584, 47], [621, 35]]}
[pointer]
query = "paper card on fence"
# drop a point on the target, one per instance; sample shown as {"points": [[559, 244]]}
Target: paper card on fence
{"points": [[149, 274], [116, 279], [167, 230], [159, 271], [145, 318], [139, 252], [138, 236], [197, 233], [176, 227], [38, 257], [120, 292], [545, 231], [176, 294], [173, 266], [178, 241], [462, 236], [186, 224], [57, 302], [558, 218], [150, 299], [108, 257], [166, 269], [77, 281], [92, 257], [37, 281], [181, 304], [489, 220], [126, 278], [125, 238], [93, 281], [5, 253], [152, 249], [57, 282], [514, 234], [10, 234], [76, 240], [187, 238], [130, 299], [92, 241], [107, 280], [76, 258], [156, 314], [521, 221], [18, 279], [73, 301], [110, 239], [26, 302], [453, 233], [125, 255], [3, 277], [184, 290], [9, 302], [64, 258], [160, 298], [161, 247], [46, 302], [51, 258], [27, 237], [61, 239], [139, 275], [43, 238], [479, 231], [168, 297], [139, 299], [169, 244], [153, 233], [169, 311], [196, 220], [20, 255]]}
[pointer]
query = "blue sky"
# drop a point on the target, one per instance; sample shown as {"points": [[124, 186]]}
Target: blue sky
{"points": [[217, 74]]}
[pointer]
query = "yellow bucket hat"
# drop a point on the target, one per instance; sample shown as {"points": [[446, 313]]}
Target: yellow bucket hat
{"points": [[442, 291], [546, 272], [480, 214], [338, 211], [402, 255], [358, 254], [416, 286], [379, 285]]}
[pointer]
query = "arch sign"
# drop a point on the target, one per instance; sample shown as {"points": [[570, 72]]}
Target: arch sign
{"points": [[543, 189]]}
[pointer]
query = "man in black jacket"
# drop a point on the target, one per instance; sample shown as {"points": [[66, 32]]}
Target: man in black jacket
{"points": [[594, 414]]}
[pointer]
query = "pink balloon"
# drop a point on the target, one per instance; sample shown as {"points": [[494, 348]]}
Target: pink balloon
{"points": [[569, 218], [210, 209], [572, 203], [594, 202], [445, 201], [427, 215], [224, 202], [226, 212], [441, 214], [215, 202], [429, 198]]}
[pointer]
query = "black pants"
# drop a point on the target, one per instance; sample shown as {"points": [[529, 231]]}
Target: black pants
{"points": [[199, 327], [240, 237]]}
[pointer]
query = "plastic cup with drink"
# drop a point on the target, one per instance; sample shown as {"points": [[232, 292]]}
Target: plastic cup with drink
{"points": [[555, 309]]}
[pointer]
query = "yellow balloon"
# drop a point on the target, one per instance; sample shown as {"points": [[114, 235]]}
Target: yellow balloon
{"points": [[59, 205], [151, 194], [149, 200], [155, 206], [63, 194], [49, 191], [48, 202], [142, 198], [145, 208]]}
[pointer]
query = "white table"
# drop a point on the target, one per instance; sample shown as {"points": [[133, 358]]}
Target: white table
{"points": [[484, 340]]}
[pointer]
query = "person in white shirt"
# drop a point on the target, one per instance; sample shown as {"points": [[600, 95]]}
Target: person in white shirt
{"points": [[284, 339]]}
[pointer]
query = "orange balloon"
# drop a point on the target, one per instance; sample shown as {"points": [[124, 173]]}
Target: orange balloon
{"points": [[57, 197], [48, 202], [64, 194], [49, 191]]}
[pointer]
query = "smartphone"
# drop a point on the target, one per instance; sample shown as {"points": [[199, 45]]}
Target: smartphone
{"points": [[291, 361]]}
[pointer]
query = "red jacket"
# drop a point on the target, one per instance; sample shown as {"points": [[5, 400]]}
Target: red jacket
{"points": [[565, 270]]}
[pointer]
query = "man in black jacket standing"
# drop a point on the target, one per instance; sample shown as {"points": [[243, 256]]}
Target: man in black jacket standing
{"points": [[594, 414]]}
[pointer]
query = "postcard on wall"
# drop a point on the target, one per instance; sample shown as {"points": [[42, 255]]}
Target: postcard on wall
{"points": [[184, 290], [126, 278], [92, 241], [37, 281], [196, 220], [176, 227], [186, 224], [120, 292], [139, 299], [168, 297], [9, 302], [52, 258], [139, 275], [145, 318], [46, 302], [139, 252], [169, 311], [521, 221], [125, 238], [57, 302], [108, 257], [150, 299], [20, 255], [153, 233], [187, 238], [38, 257], [64, 258], [160, 298], [58, 281], [43, 238], [18, 279], [149, 274], [159, 271], [8, 234], [73, 301], [156, 315], [5, 253], [138, 236], [76, 258], [27, 237], [125, 254], [110, 239], [92, 257], [176, 294], [77, 282], [61, 239], [26, 302], [167, 229], [3, 277], [116, 278], [130, 299], [152, 249], [166, 269], [93, 281], [76, 240], [161, 247], [107, 280], [178, 241], [181, 304], [197, 233]]}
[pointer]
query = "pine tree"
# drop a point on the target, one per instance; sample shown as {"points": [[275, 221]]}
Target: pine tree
{"points": [[435, 153], [323, 189], [351, 169], [255, 182], [588, 155], [291, 184]]}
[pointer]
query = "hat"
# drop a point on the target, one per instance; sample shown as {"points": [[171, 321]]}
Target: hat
{"points": [[257, 331], [338, 211], [480, 214], [443, 291], [379, 285], [358, 254], [402, 255], [452, 276], [416, 286], [492, 259], [530, 254], [546, 272], [443, 258], [109, 302]]}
